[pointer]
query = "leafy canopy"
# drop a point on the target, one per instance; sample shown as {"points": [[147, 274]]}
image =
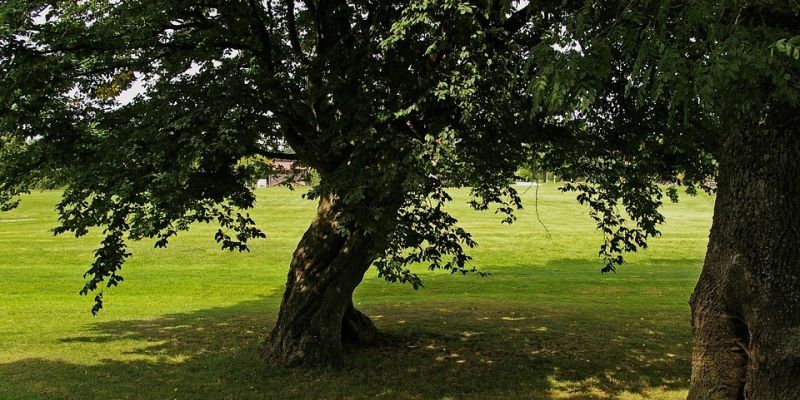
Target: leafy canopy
{"points": [[390, 101], [649, 91]]}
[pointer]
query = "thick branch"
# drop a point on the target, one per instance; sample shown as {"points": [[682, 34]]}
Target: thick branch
{"points": [[512, 25], [263, 35], [291, 25], [276, 155], [518, 19]]}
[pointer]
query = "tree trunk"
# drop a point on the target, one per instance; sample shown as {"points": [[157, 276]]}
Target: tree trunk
{"points": [[746, 306], [317, 312]]}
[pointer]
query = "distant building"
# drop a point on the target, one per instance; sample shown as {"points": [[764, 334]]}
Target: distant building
{"points": [[283, 171]]}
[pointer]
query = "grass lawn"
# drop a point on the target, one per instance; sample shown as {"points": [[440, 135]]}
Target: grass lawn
{"points": [[188, 321]]}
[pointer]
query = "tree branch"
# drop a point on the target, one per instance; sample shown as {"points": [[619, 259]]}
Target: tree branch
{"points": [[263, 35], [276, 155], [518, 19], [291, 25]]}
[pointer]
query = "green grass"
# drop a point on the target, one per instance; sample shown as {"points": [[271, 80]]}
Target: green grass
{"points": [[188, 321]]}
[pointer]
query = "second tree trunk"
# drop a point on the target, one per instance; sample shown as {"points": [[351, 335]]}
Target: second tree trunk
{"points": [[746, 306]]}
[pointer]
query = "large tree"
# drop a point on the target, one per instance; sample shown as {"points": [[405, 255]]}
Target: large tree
{"points": [[646, 84], [388, 100]]}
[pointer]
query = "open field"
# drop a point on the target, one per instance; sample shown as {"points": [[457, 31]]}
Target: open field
{"points": [[188, 321]]}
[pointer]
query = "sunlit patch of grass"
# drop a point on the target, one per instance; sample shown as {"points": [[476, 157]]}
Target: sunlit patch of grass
{"points": [[188, 321]]}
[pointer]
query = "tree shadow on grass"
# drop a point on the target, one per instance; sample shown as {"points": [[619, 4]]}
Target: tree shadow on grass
{"points": [[524, 353], [435, 351]]}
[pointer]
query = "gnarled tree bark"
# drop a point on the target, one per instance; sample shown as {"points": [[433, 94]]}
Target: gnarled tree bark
{"points": [[317, 314], [746, 306]]}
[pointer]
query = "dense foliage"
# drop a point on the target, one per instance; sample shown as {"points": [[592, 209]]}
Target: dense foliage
{"points": [[390, 102], [649, 91]]}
